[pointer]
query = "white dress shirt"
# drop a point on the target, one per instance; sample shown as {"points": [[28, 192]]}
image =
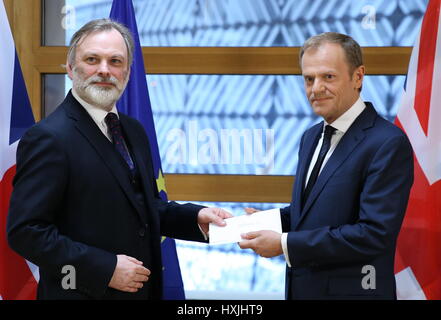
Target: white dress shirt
{"points": [[341, 124], [98, 115]]}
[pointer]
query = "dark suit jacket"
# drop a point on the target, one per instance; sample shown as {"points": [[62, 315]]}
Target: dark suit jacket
{"points": [[73, 204], [353, 214]]}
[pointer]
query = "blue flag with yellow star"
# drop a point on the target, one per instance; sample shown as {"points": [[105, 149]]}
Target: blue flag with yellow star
{"points": [[135, 102]]}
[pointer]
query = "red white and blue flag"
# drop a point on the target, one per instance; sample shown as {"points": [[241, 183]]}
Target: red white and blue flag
{"points": [[418, 259], [18, 277]]}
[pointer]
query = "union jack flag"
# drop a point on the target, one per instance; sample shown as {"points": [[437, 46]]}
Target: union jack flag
{"points": [[18, 277], [418, 259]]}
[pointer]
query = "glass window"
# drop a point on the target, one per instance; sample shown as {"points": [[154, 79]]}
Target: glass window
{"points": [[234, 124], [201, 118], [55, 87], [263, 23], [241, 274]]}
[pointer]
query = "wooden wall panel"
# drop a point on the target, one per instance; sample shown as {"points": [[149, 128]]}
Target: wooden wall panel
{"points": [[208, 60], [229, 188]]}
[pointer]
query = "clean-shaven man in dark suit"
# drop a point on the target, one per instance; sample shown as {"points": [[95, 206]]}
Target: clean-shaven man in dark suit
{"points": [[351, 189], [84, 193]]}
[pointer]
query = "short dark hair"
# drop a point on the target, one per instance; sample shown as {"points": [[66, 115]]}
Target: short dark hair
{"points": [[100, 25], [351, 48]]}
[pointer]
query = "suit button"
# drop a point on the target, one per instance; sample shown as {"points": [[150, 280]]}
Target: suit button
{"points": [[141, 232]]}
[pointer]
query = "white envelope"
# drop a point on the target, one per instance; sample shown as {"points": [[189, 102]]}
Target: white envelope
{"points": [[262, 220]]}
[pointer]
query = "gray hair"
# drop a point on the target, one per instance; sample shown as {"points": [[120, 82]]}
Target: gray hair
{"points": [[100, 25], [351, 48]]}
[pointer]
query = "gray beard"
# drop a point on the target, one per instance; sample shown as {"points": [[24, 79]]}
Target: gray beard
{"points": [[103, 98]]}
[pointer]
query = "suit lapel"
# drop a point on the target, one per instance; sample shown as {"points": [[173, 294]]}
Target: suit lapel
{"points": [[310, 144], [104, 149], [351, 139]]}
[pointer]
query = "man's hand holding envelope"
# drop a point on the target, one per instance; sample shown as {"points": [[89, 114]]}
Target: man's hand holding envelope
{"points": [[260, 231]]}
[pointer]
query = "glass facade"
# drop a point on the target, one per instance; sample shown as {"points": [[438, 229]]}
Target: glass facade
{"points": [[239, 23], [236, 124], [202, 119]]}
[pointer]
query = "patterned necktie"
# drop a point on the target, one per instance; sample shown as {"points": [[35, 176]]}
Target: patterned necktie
{"points": [[114, 126], [329, 131]]}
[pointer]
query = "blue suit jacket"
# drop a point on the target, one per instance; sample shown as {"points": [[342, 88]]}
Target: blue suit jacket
{"points": [[353, 214], [73, 204]]}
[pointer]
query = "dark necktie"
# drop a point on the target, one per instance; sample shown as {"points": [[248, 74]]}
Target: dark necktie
{"points": [[329, 131], [114, 126]]}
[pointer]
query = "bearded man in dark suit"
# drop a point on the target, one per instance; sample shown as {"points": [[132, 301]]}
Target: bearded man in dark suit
{"points": [[84, 193]]}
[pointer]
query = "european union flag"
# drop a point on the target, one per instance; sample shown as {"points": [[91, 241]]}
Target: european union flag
{"points": [[135, 102]]}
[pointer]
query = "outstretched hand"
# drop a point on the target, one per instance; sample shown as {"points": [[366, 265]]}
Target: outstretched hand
{"points": [[212, 215], [265, 243]]}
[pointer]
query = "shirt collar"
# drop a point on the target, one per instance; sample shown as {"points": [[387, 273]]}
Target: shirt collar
{"points": [[343, 122], [96, 113]]}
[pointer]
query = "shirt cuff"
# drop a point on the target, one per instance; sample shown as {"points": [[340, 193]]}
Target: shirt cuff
{"points": [[284, 241], [203, 233]]}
